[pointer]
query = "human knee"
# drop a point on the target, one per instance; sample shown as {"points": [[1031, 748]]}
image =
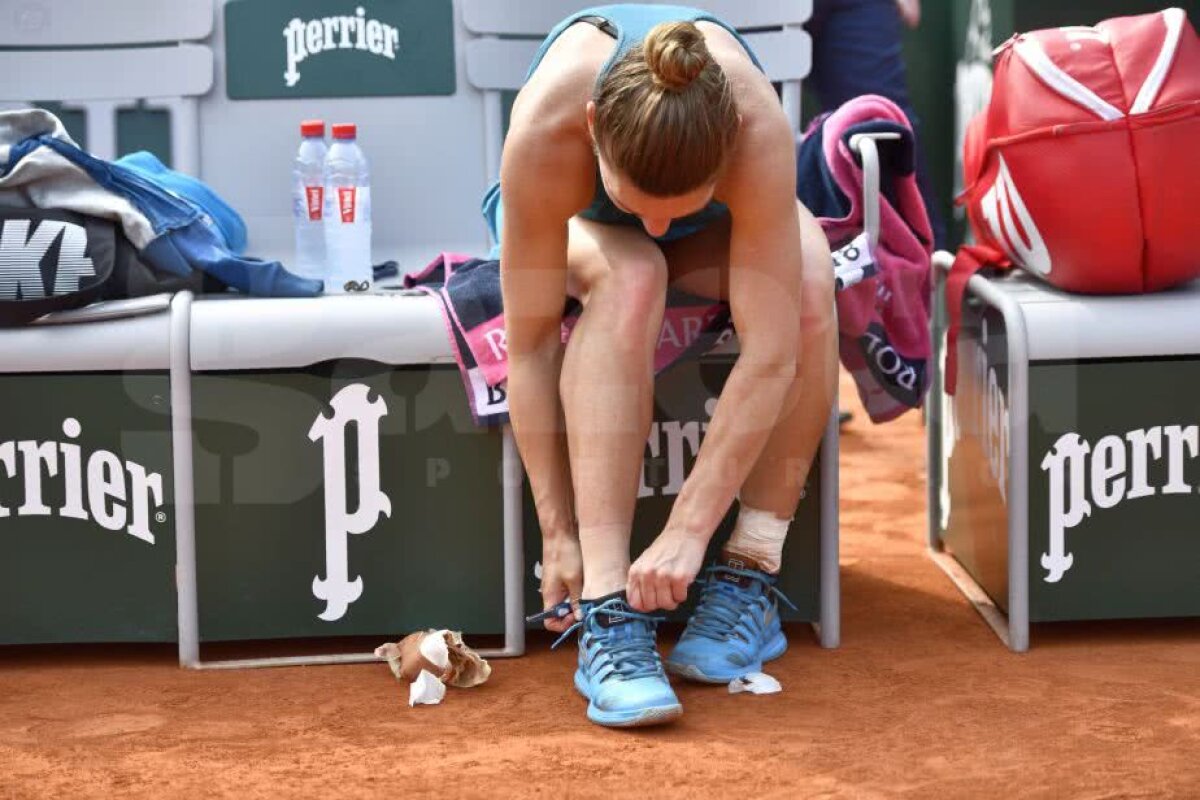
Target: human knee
{"points": [[633, 296]]}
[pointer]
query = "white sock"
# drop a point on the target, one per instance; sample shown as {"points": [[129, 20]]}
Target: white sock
{"points": [[759, 535]]}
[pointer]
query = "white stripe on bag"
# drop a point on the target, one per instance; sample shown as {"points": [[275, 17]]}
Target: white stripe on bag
{"points": [[1173, 17], [1035, 58]]}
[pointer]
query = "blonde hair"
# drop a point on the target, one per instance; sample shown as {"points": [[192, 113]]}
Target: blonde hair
{"points": [[665, 115]]}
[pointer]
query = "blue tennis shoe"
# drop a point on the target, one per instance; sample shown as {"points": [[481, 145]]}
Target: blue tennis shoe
{"points": [[620, 671], [735, 628]]}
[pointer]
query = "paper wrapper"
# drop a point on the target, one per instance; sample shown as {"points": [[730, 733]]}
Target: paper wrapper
{"points": [[440, 653], [755, 683], [426, 690]]}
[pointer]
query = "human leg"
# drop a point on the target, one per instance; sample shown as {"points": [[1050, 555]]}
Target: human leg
{"points": [[607, 387], [619, 275], [699, 264]]}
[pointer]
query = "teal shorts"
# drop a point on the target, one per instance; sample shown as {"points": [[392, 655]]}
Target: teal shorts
{"points": [[603, 210]]}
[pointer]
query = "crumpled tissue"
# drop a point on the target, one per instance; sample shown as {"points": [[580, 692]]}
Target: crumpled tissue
{"points": [[426, 690], [432, 659], [755, 683]]}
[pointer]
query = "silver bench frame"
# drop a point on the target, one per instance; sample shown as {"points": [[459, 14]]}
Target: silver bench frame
{"points": [[1013, 628], [1042, 324], [432, 349]]}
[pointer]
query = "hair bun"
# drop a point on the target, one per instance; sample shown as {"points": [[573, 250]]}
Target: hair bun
{"points": [[676, 54]]}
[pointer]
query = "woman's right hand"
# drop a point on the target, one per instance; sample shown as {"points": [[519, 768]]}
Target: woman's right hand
{"points": [[562, 577]]}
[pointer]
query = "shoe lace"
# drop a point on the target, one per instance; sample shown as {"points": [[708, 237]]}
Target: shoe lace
{"points": [[632, 657], [722, 604]]}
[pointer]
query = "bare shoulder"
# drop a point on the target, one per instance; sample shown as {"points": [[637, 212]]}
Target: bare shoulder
{"points": [[764, 155], [755, 95], [545, 171], [547, 152]]}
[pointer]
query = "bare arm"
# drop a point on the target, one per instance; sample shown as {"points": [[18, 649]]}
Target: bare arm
{"points": [[538, 203], [764, 296]]}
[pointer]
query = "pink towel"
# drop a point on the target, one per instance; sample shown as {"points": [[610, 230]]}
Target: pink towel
{"points": [[883, 322]]}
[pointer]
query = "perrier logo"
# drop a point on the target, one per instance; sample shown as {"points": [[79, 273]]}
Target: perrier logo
{"points": [[309, 38], [338, 48]]}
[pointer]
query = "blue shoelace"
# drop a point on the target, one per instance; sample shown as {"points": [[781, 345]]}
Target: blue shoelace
{"points": [[722, 603], [636, 656]]}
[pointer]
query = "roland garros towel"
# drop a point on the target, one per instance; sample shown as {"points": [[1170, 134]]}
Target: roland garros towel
{"points": [[883, 321], [469, 292]]}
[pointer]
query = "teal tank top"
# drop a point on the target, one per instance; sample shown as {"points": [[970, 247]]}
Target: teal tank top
{"points": [[629, 24]]}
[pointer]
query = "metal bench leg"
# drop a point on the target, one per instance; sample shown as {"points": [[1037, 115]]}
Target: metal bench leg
{"points": [[1012, 629], [514, 552], [829, 629], [187, 608]]}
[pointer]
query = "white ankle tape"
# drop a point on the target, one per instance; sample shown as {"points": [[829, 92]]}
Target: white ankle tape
{"points": [[759, 535]]}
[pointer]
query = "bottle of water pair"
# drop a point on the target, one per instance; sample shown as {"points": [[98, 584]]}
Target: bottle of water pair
{"points": [[331, 198]]}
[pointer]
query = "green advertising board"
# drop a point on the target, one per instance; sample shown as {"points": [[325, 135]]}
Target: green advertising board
{"points": [[86, 508], [422, 545], [338, 48], [1113, 489], [343, 499]]}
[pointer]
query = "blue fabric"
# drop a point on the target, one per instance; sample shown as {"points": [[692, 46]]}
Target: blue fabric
{"points": [[604, 210], [19, 150], [857, 50], [187, 237], [164, 211], [632, 22], [815, 184], [228, 221], [198, 246], [493, 214]]}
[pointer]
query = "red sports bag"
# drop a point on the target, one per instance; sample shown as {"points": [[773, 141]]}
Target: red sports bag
{"points": [[1085, 167]]}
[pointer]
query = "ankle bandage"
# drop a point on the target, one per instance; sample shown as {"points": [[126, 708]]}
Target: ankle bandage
{"points": [[759, 535]]}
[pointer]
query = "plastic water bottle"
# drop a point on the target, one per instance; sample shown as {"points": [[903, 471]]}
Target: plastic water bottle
{"points": [[308, 200], [347, 214]]}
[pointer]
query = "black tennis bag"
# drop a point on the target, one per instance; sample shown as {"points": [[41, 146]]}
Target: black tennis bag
{"points": [[53, 260]]}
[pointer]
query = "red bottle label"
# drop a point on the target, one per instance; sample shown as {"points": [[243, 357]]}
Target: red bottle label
{"points": [[316, 201], [347, 200]]}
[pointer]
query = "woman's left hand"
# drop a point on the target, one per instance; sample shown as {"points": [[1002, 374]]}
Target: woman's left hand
{"points": [[661, 575]]}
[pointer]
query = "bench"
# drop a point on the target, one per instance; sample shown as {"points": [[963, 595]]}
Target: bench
{"points": [[1063, 471], [247, 410]]}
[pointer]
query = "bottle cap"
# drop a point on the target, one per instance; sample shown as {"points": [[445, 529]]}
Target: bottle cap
{"points": [[312, 127], [345, 131]]}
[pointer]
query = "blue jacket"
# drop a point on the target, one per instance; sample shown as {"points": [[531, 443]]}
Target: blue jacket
{"points": [[191, 228]]}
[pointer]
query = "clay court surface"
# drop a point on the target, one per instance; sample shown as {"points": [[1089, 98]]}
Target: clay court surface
{"points": [[920, 701]]}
